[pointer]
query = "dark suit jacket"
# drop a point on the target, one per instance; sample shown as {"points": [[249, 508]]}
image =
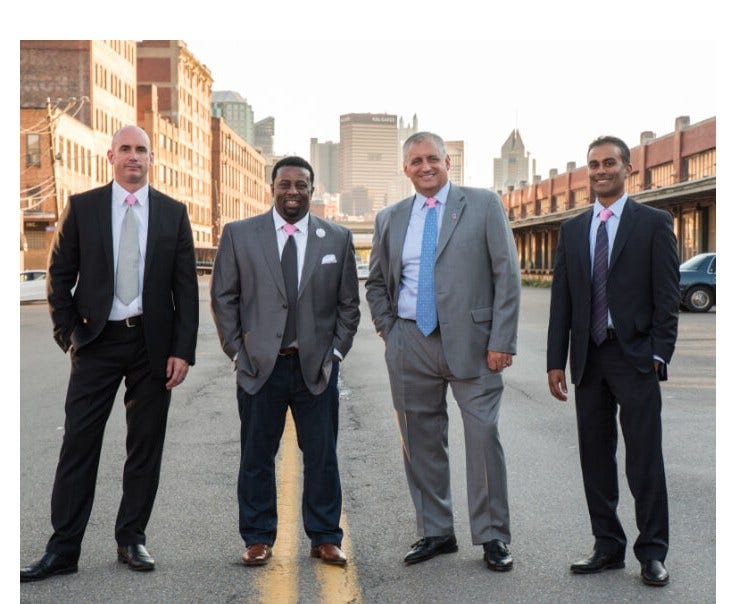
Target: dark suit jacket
{"points": [[642, 290], [82, 255], [249, 304]]}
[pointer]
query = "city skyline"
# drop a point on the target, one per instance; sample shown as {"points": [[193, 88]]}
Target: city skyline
{"points": [[557, 110]]}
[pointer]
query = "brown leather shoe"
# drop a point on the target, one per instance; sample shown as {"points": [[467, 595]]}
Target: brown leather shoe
{"points": [[330, 553], [256, 555]]}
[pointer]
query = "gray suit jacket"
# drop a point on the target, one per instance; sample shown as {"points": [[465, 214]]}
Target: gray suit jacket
{"points": [[476, 272], [249, 304]]}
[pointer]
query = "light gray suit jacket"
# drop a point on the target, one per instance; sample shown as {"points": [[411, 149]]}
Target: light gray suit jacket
{"points": [[476, 273], [249, 304]]}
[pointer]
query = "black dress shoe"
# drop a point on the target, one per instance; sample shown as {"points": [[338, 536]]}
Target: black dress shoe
{"points": [[429, 547], [497, 555], [135, 556], [654, 573], [597, 562], [49, 564]]}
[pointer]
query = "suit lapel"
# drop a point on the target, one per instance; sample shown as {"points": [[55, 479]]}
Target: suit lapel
{"points": [[625, 226], [270, 248], [450, 217], [154, 220], [582, 237], [104, 218], [397, 227], [312, 255]]}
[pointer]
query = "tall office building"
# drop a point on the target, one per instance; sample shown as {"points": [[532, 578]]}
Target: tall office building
{"points": [[369, 163], [325, 160], [236, 111], [264, 130], [512, 168], [180, 90], [404, 187], [456, 153], [238, 183]]}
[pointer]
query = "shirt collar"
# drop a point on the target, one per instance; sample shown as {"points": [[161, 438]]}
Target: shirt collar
{"points": [[440, 196], [616, 207], [119, 194], [302, 224]]}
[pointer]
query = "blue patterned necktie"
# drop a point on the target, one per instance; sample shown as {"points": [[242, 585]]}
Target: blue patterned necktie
{"points": [[599, 320], [426, 303]]}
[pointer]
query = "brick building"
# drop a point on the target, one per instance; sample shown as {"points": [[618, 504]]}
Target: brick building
{"points": [[238, 183], [76, 93], [676, 172]]}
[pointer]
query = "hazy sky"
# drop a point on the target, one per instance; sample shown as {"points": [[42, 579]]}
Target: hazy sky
{"points": [[560, 94]]}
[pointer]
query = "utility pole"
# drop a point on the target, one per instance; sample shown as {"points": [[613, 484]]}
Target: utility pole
{"points": [[52, 140]]}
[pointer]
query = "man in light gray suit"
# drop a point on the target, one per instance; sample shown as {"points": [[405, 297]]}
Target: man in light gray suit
{"points": [[284, 295], [443, 291]]}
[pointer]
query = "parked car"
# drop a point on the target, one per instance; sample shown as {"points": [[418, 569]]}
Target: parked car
{"points": [[32, 285], [204, 267], [362, 270], [698, 282]]}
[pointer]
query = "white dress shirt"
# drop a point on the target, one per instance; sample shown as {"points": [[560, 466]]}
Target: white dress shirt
{"points": [[300, 238], [119, 310]]}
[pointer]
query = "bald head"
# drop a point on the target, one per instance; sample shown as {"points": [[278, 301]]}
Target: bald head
{"points": [[130, 157]]}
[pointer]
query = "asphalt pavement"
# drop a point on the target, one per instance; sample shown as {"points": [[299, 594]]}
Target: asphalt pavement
{"points": [[193, 531]]}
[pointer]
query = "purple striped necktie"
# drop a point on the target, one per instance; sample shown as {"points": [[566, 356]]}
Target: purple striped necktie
{"points": [[599, 319]]}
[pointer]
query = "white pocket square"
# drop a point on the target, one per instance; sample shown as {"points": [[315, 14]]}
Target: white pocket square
{"points": [[329, 259]]}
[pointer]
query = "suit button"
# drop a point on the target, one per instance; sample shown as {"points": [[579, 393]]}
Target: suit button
{"points": [[284, 306]]}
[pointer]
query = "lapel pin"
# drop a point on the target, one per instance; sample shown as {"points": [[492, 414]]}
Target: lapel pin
{"points": [[320, 233], [454, 216]]}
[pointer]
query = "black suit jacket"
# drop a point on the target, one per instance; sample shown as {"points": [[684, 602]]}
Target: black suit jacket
{"points": [[642, 290], [82, 255]]}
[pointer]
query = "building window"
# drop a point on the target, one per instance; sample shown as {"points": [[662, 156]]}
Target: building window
{"points": [[33, 150], [661, 176], [701, 165], [35, 240]]}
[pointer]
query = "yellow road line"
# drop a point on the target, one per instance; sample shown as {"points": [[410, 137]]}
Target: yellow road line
{"points": [[340, 585], [278, 584]]}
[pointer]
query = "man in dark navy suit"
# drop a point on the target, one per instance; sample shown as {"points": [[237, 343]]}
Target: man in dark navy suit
{"points": [[616, 362]]}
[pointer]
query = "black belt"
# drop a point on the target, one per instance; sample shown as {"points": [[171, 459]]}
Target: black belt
{"points": [[136, 321], [288, 352]]}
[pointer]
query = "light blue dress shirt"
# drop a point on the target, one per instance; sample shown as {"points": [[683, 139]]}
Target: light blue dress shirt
{"points": [[413, 250]]}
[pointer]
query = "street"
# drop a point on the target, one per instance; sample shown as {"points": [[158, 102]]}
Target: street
{"points": [[193, 532]]}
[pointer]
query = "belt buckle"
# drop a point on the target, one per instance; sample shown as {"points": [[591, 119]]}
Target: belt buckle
{"points": [[128, 321]]}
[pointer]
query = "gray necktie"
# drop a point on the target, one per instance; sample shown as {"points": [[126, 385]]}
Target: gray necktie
{"points": [[129, 253]]}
